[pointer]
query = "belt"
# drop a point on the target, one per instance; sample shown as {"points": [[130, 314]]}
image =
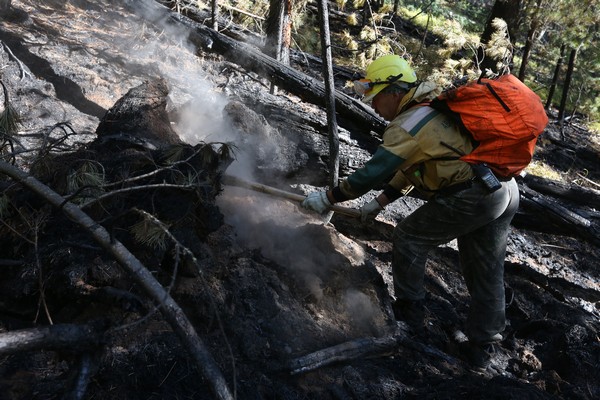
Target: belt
{"points": [[457, 187]]}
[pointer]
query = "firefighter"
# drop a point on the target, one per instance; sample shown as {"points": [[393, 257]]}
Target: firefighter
{"points": [[419, 150]]}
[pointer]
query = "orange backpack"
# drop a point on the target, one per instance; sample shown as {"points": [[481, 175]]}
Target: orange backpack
{"points": [[504, 117]]}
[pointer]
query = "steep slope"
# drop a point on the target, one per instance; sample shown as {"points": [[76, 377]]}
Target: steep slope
{"points": [[275, 284]]}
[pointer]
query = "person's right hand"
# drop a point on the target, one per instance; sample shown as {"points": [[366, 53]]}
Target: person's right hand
{"points": [[370, 210]]}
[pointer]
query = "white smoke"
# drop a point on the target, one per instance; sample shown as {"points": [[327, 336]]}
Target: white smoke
{"points": [[261, 221]]}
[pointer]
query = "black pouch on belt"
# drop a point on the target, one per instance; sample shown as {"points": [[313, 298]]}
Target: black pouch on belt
{"points": [[487, 177]]}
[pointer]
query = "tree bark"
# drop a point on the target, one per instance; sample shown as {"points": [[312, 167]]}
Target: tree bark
{"points": [[215, 14], [572, 193], [5, 5], [274, 29], [553, 213], [396, 6], [533, 28], [168, 307], [278, 29], [555, 77], [566, 86], [334, 140], [526, 52]]}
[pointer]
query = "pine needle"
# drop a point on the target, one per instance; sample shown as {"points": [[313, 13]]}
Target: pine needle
{"points": [[9, 121], [150, 234], [9, 118], [4, 203], [89, 174]]}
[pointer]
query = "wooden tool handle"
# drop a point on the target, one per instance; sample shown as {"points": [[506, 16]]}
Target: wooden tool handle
{"points": [[258, 187]]}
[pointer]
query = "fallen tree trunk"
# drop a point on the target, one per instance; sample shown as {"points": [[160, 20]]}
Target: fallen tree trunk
{"points": [[354, 114], [553, 213], [168, 307], [239, 33], [573, 193]]}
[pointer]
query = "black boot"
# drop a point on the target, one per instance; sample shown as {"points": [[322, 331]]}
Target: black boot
{"points": [[410, 311], [478, 355]]}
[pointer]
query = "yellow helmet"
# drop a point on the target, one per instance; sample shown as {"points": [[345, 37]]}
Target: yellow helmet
{"points": [[383, 72]]}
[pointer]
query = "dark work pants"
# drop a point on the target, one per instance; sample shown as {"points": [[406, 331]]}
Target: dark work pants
{"points": [[480, 221]]}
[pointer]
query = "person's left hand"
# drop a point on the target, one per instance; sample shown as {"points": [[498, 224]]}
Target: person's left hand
{"points": [[316, 201]]}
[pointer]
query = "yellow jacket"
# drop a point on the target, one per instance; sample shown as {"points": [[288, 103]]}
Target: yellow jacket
{"points": [[412, 152]]}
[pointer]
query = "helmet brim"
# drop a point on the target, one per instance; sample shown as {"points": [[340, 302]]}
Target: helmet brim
{"points": [[374, 92]]}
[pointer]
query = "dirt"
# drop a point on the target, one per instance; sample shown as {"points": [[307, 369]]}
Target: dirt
{"points": [[275, 283]]}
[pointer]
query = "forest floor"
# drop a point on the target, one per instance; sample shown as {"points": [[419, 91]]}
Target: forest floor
{"points": [[276, 284]]}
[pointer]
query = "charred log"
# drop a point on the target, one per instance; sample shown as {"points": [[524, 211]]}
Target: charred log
{"points": [[572, 193], [361, 349], [557, 215], [71, 337], [140, 118]]}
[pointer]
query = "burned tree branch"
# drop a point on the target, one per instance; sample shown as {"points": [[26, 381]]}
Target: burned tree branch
{"points": [[54, 337], [169, 308], [348, 351], [361, 348]]}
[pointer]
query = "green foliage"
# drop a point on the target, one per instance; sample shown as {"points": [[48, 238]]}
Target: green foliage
{"points": [[148, 233], [458, 23], [306, 34], [9, 120], [4, 205], [89, 175], [9, 123]]}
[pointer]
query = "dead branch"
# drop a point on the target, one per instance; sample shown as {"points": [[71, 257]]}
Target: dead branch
{"points": [[142, 187], [348, 351], [362, 348], [187, 252], [169, 308], [24, 72], [86, 370], [55, 337], [239, 10], [107, 295]]}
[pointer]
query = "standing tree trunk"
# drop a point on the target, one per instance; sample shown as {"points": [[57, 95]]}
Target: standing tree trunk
{"points": [[5, 4], [286, 33], [215, 14], [334, 140], [555, 77], [396, 5], [533, 28], [509, 11], [565, 92], [527, 51], [279, 32]]}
